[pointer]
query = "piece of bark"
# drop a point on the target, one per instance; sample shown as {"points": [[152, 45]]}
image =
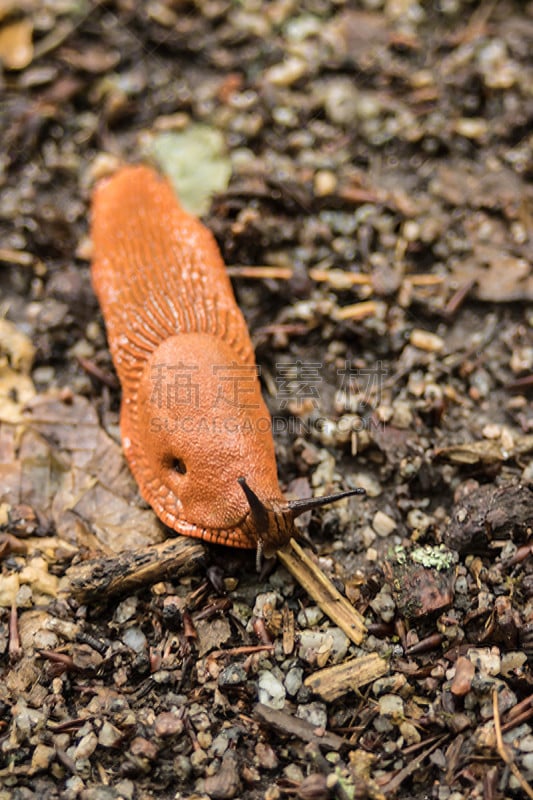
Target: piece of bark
{"points": [[333, 682], [488, 513], [102, 578], [289, 725], [319, 587]]}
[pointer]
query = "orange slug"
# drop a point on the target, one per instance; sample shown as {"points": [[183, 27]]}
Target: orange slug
{"points": [[195, 429]]}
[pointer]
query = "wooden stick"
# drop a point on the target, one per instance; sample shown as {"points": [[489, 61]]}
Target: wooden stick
{"points": [[102, 578], [320, 588]]}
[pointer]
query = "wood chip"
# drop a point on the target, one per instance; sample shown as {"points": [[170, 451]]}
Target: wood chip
{"points": [[321, 590], [288, 631], [333, 682]]}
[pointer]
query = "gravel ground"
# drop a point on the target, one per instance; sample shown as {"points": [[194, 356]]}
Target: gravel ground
{"points": [[377, 156]]}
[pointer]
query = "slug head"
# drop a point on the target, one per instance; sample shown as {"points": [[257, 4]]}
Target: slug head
{"points": [[196, 425], [274, 523]]}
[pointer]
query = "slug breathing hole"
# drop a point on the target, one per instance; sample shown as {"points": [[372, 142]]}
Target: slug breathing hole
{"points": [[178, 465]]}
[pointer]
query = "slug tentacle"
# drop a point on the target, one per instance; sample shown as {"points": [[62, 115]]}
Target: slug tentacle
{"points": [[274, 524]]}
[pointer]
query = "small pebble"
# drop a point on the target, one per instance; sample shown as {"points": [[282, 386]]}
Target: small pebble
{"points": [[42, 758], [424, 340], [126, 610], [470, 127], [492, 431], [390, 705], [332, 643], [135, 638], [219, 745], [293, 681], [286, 72], [143, 748], [85, 747], [486, 660], [232, 675], [270, 690], [384, 605], [418, 521], [266, 756], [341, 101], [464, 672], [324, 183], [108, 735], [410, 733], [310, 616], [383, 524], [168, 724], [314, 713]]}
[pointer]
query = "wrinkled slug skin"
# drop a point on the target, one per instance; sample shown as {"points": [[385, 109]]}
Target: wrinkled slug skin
{"points": [[192, 417]]}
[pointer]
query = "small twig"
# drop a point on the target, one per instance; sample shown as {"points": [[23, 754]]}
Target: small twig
{"points": [[518, 720], [20, 257], [457, 299], [289, 725], [102, 375], [519, 384], [519, 708], [503, 751], [357, 311], [394, 784], [15, 649], [340, 278], [429, 643], [277, 273], [243, 650], [425, 279]]}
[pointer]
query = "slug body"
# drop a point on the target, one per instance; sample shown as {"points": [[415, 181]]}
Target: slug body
{"points": [[195, 429]]}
